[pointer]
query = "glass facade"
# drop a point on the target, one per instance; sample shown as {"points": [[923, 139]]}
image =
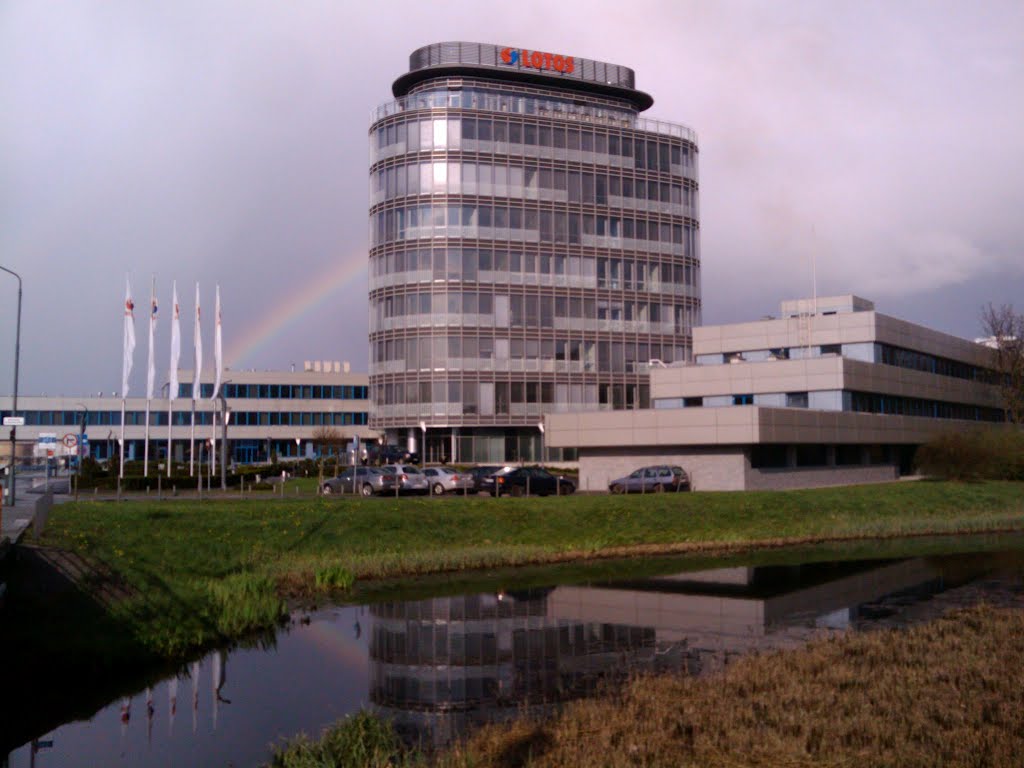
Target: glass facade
{"points": [[534, 244]]}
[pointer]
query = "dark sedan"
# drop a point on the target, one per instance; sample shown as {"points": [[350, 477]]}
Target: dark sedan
{"points": [[483, 477], [526, 481]]}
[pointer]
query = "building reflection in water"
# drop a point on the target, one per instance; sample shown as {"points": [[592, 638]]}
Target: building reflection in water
{"points": [[440, 665]]}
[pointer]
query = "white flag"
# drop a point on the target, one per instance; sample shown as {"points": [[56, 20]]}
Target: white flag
{"points": [[151, 371], [129, 337], [197, 351], [172, 391], [218, 361]]}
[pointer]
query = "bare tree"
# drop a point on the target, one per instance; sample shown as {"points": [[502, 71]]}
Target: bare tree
{"points": [[327, 440], [1006, 328]]}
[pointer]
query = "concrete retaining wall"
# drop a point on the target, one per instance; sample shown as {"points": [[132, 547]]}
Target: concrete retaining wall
{"points": [[818, 477]]}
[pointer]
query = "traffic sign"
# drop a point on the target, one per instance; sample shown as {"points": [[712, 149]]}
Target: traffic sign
{"points": [[70, 440], [14, 421]]}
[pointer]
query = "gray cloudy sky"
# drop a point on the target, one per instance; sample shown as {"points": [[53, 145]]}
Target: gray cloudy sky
{"points": [[225, 142]]}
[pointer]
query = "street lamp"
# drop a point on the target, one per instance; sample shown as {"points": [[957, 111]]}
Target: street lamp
{"points": [[14, 411]]}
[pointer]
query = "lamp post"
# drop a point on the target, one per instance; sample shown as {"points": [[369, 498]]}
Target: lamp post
{"points": [[14, 411]]}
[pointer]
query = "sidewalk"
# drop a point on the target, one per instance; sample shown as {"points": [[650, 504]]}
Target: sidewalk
{"points": [[17, 519]]}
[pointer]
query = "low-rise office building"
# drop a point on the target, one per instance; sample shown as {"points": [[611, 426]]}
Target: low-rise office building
{"points": [[832, 392], [272, 413]]}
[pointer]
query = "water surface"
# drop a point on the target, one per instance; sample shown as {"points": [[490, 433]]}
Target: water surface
{"points": [[438, 665]]}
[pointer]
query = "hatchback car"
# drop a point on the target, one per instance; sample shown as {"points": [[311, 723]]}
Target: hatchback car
{"points": [[652, 480], [410, 478], [525, 481], [368, 481], [444, 480]]}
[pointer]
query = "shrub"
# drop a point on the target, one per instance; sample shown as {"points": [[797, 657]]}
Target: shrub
{"points": [[991, 454], [361, 740], [334, 577], [245, 602]]}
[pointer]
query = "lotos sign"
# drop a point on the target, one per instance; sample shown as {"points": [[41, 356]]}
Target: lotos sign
{"points": [[538, 60]]}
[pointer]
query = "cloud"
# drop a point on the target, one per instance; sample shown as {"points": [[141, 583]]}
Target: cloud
{"points": [[226, 142]]}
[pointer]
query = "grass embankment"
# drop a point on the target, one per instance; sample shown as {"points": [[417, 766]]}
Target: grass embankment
{"points": [[950, 692], [123, 590], [202, 573]]}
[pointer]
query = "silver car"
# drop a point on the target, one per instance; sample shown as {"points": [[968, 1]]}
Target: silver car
{"points": [[444, 480], [652, 480], [410, 479], [368, 481]]}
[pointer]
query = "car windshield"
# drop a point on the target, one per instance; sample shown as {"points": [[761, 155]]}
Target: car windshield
{"points": [[411, 470]]}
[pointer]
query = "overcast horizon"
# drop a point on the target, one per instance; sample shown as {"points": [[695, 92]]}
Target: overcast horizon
{"points": [[226, 143]]}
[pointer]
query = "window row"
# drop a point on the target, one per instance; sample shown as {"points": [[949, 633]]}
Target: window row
{"points": [[530, 224], [529, 310], [180, 418], [281, 391], [867, 351], [501, 397], [454, 263], [533, 183], [643, 152], [430, 352], [844, 400]]}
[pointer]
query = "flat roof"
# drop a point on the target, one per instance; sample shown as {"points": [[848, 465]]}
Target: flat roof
{"points": [[521, 65]]}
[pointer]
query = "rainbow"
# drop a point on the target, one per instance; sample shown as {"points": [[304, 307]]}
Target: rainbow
{"points": [[308, 297], [337, 641]]}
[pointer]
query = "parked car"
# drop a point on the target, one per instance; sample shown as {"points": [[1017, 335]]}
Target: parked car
{"points": [[531, 480], [368, 481], [483, 477], [654, 479], [444, 480], [410, 479]]}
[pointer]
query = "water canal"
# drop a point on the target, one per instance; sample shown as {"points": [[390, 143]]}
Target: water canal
{"points": [[440, 664]]}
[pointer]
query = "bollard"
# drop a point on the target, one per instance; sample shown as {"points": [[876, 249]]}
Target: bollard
{"points": [[159, 489], [527, 483], [174, 491]]}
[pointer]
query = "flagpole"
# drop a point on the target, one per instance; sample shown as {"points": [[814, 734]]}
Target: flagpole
{"points": [[126, 362], [149, 374], [213, 442], [192, 440], [172, 385], [197, 370], [218, 367], [170, 422], [121, 463]]}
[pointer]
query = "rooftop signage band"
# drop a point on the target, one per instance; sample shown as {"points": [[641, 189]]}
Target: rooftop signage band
{"points": [[538, 60]]}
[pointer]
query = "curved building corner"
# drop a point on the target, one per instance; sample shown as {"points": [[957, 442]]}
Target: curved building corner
{"points": [[534, 244]]}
